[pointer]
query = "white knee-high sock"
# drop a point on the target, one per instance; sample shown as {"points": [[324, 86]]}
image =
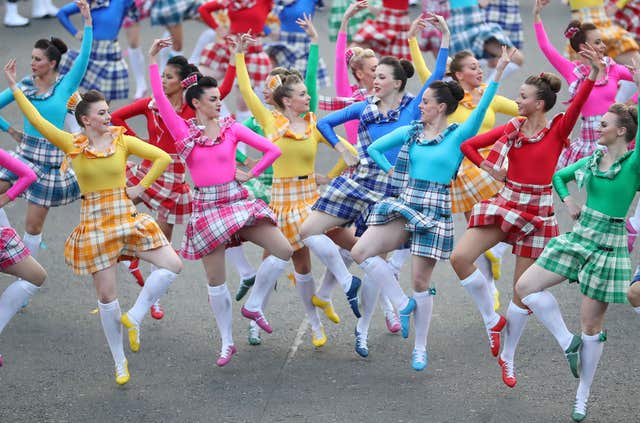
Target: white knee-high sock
{"points": [[266, 277], [369, 294], [635, 219], [637, 310], [499, 249], [305, 285], [626, 91], [379, 271], [220, 303], [207, 36], [422, 321], [4, 219], [397, 259], [33, 243], [517, 319], [329, 255], [510, 70], [136, 59], [590, 354], [239, 260], [154, 287], [12, 299], [385, 304], [110, 318], [546, 309], [484, 266], [329, 281], [476, 285]]}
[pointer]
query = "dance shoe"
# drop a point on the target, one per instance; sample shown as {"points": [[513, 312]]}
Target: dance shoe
{"points": [[362, 349], [225, 355], [257, 317], [494, 336], [352, 295], [156, 311], [496, 264], [122, 373], [573, 355], [393, 322], [134, 332], [579, 410], [419, 360], [327, 307], [318, 338], [254, 335], [245, 284], [135, 271], [508, 372], [405, 314]]}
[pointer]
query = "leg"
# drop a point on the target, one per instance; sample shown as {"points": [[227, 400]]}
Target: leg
{"points": [[176, 39], [245, 269], [422, 268], [207, 36], [12, 18], [31, 276], [633, 295], [136, 59], [306, 287]]}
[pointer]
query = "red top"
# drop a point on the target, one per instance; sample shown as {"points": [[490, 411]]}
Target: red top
{"points": [[534, 162], [244, 15], [396, 4]]}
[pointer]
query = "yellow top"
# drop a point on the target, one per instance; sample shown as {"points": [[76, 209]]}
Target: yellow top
{"points": [[418, 61], [580, 4], [298, 150], [620, 4], [97, 170]]}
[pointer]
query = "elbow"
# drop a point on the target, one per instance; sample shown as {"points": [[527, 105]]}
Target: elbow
{"points": [[30, 177]]}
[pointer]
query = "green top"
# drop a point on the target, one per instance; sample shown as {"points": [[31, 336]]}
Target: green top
{"points": [[611, 191]]}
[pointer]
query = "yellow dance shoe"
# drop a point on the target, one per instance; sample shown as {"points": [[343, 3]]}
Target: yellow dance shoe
{"points": [[327, 307], [122, 373], [496, 264], [134, 332], [496, 300], [318, 339]]}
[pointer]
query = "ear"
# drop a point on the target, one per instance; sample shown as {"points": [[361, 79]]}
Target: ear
{"points": [[397, 84], [442, 108], [85, 121], [359, 74], [540, 105], [196, 103], [622, 131]]}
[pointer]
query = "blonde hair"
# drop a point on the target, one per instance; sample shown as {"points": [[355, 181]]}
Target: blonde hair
{"points": [[356, 60]]}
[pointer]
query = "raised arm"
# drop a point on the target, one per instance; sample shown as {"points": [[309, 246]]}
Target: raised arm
{"points": [[6, 97], [71, 81], [258, 110], [137, 108], [64, 15], [563, 65], [150, 152], [393, 139], [227, 82], [416, 55], [472, 125], [327, 124], [26, 176], [176, 125], [311, 78], [270, 150], [438, 73], [343, 89], [208, 8]]}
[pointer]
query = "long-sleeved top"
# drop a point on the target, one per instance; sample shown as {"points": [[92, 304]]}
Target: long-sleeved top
{"points": [[395, 4], [106, 20], [458, 4], [433, 160], [52, 104], [288, 13], [532, 160], [241, 19], [604, 92], [610, 192], [97, 171], [372, 123], [25, 175], [203, 154]]}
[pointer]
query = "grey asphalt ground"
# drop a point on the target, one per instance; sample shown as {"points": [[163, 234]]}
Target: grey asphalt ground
{"points": [[58, 367]]}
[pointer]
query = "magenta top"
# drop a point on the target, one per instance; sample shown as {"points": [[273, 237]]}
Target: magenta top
{"points": [[25, 175], [604, 91], [343, 88], [210, 162]]}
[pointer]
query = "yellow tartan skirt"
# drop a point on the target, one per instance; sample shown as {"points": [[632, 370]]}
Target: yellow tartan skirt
{"points": [[110, 229], [472, 185], [291, 200]]}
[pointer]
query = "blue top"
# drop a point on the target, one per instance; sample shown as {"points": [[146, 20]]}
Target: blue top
{"points": [[433, 160], [374, 124], [458, 4], [289, 13], [52, 105], [107, 17]]}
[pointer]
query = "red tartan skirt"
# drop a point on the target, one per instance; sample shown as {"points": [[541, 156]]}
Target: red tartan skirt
{"points": [[386, 34], [12, 250], [216, 56]]}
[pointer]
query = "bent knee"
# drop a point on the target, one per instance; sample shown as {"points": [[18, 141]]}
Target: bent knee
{"points": [[39, 278], [633, 295], [359, 253]]}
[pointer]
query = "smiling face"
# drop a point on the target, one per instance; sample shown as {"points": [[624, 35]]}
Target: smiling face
{"points": [[171, 80], [299, 100], [209, 104], [40, 63], [384, 84], [97, 117], [528, 102], [609, 132], [470, 73], [594, 38], [430, 109], [366, 73]]}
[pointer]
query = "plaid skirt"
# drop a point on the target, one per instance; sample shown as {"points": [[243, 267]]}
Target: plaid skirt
{"points": [[216, 57], [219, 212], [291, 200], [595, 254], [338, 7], [617, 39], [471, 186], [584, 145], [431, 37], [506, 13], [139, 10], [524, 212], [169, 195], [386, 34], [352, 197], [470, 31], [107, 71], [110, 229], [291, 51], [52, 188], [258, 190], [426, 206], [173, 12], [629, 18], [12, 250]]}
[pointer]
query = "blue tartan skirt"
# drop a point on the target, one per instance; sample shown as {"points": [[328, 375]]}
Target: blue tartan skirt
{"points": [[470, 31]]}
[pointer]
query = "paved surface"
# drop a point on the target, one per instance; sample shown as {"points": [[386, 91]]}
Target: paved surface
{"points": [[58, 367]]}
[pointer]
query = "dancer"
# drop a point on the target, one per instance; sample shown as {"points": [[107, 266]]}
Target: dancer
{"points": [[222, 213], [336, 14], [506, 14], [40, 9], [428, 160], [386, 33], [594, 253], [521, 214]]}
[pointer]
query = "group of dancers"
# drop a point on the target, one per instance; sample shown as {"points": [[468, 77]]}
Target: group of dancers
{"points": [[406, 164]]}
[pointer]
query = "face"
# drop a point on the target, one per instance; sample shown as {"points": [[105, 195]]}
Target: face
{"points": [[209, 104], [528, 102], [367, 72], [470, 73], [267, 91], [299, 101], [609, 131], [594, 38], [384, 84], [40, 64], [98, 117], [430, 109], [171, 80]]}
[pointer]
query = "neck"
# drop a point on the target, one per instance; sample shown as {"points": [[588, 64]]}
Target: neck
{"points": [[617, 149], [48, 79], [206, 121], [392, 100], [438, 125], [291, 115], [93, 135], [176, 99], [537, 120], [467, 87]]}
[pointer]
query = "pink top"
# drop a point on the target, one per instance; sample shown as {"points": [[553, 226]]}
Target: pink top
{"points": [[604, 91], [26, 176], [210, 162]]}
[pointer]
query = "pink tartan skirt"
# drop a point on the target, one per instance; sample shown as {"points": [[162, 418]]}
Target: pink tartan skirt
{"points": [[12, 250]]}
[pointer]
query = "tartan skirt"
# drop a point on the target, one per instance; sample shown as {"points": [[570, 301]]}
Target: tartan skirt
{"points": [[426, 206], [431, 37], [216, 57], [107, 71], [169, 195], [52, 188], [352, 196], [470, 31], [291, 51], [110, 229], [595, 254], [338, 7], [629, 18], [173, 12], [139, 10], [386, 34], [506, 13], [291, 201], [219, 212], [617, 39], [258, 189], [584, 145], [524, 212], [12, 250], [472, 185]]}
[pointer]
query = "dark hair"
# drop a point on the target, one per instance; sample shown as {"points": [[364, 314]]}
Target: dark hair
{"points": [[53, 48], [627, 117], [402, 69], [183, 66], [88, 98], [449, 92], [195, 91], [456, 62], [547, 87], [579, 35], [285, 89]]}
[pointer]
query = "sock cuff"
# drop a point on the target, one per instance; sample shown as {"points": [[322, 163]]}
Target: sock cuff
{"points": [[30, 288], [591, 338], [424, 294], [517, 309], [215, 291], [166, 272], [113, 305], [281, 264], [531, 297], [307, 277], [637, 309], [472, 277], [28, 237]]}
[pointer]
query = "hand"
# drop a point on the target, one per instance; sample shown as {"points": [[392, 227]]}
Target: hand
{"points": [[497, 174], [79, 35], [322, 180], [15, 134], [347, 156], [134, 191], [438, 22], [10, 73], [417, 25], [595, 61], [505, 59], [246, 40], [537, 7], [85, 11], [611, 9], [158, 44], [242, 176], [306, 23], [354, 8], [483, 3], [391, 171], [233, 42], [4, 200], [250, 162], [573, 208]]}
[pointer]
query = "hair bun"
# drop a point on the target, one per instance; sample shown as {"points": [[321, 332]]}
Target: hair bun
{"points": [[409, 70], [59, 44], [554, 82], [456, 90]]}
